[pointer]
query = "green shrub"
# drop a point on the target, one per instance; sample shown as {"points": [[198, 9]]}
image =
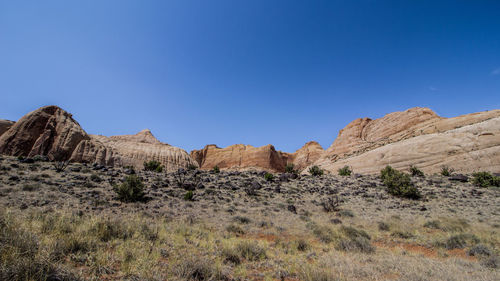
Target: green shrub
{"points": [[268, 176], [131, 190], [446, 171], [95, 178], [345, 171], [290, 168], [216, 169], [316, 171], [192, 167], [416, 172], [153, 166], [189, 196], [485, 179], [398, 183]]}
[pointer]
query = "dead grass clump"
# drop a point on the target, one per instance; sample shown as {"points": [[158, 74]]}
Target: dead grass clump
{"points": [[251, 250]]}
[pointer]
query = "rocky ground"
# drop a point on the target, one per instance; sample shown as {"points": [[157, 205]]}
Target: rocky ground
{"points": [[240, 226]]}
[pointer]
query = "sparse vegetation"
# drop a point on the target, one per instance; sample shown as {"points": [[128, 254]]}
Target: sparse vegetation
{"points": [[446, 171], [216, 169], [399, 184], [485, 179], [416, 172], [192, 167], [290, 168], [131, 190], [268, 176], [345, 171], [189, 196], [154, 166], [316, 171]]}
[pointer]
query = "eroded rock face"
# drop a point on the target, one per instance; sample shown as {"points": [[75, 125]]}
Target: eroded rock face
{"points": [[417, 137], [53, 132], [306, 155], [266, 157], [131, 150], [47, 131], [5, 125], [240, 156]]}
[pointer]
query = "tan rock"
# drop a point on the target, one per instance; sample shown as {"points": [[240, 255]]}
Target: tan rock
{"points": [[5, 125], [53, 132], [47, 131], [240, 156], [266, 157], [417, 137], [131, 150], [306, 155]]}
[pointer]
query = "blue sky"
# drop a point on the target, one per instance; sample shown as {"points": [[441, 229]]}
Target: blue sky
{"points": [[255, 72]]}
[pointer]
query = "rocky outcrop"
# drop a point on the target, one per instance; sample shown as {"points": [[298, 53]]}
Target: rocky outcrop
{"points": [[240, 156], [419, 137], [5, 125], [266, 157], [131, 150], [47, 131], [53, 132], [306, 155]]}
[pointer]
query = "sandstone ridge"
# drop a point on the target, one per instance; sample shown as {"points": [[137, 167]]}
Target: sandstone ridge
{"points": [[418, 137], [53, 132]]}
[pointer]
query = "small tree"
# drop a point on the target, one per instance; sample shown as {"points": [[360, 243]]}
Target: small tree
{"points": [[131, 190], [153, 165], [316, 171], [416, 172], [398, 183], [345, 171], [216, 169], [268, 176]]}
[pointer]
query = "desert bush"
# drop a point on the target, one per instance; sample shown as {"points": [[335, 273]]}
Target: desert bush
{"points": [[241, 219], [251, 250], [331, 204], [351, 232], [446, 171], [359, 244], [324, 233], [196, 268], [189, 196], [383, 226], [107, 230], [460, 241], [192, 167], [290, 168], [416, 172], [399, 184], [60, 166], [435, 224], [491, 262], [31, 187], [216, 169], [485, 179], [268, 176], [302, 245], [131, 190], [230, 254], [479, 250], [316, 171], [235, 229], [345, 171], [153, 165], [95, 178]]}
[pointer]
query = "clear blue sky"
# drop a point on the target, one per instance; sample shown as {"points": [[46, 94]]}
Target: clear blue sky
{"points": [[253, 72]]}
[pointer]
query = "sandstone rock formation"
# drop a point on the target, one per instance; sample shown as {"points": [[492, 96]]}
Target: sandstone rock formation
{"points": [[47, 131], [266, 157], [5, 125], [131, 150], [418, 137], [53, 132]]}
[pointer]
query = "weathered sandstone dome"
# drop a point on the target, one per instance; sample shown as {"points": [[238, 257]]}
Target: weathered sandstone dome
{"points": [[53, 132]]}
